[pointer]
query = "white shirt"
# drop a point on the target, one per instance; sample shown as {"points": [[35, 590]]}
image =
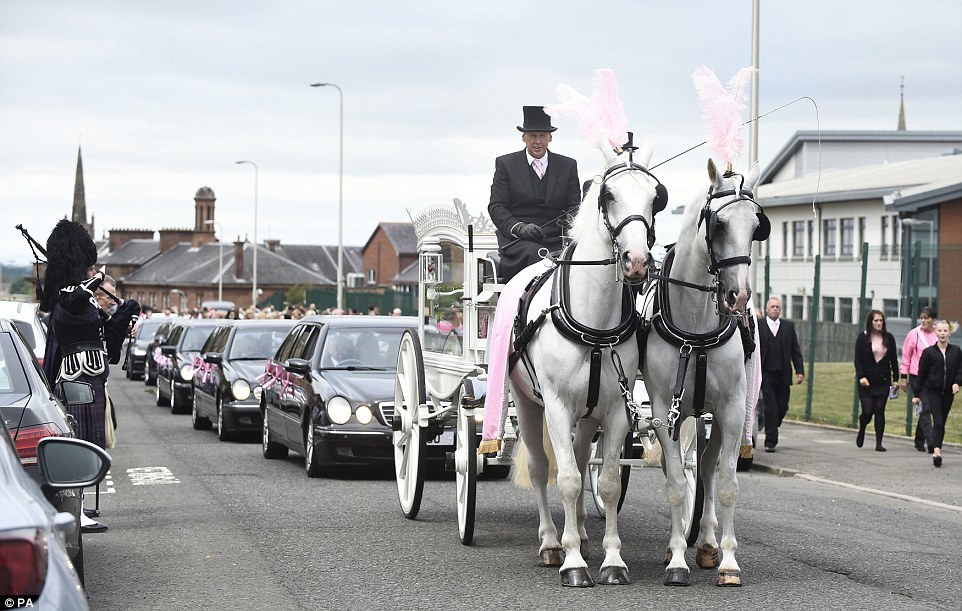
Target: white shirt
{"points": [[544, 160], [773, 325]]}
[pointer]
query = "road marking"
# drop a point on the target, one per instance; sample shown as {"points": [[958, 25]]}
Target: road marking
{"points": [[148, 476], [894, 495], [108, 484]]}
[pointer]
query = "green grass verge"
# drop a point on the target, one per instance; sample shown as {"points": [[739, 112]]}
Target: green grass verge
{"points": [[833, 393]]}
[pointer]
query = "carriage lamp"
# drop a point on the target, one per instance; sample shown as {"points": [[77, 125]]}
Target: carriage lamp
{"points": [[363, 414], [240, 389], [186, 372], [339, 410]]}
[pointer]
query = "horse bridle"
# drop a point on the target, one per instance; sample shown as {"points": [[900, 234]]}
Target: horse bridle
{"points": [[710, 218], [659, 202]]}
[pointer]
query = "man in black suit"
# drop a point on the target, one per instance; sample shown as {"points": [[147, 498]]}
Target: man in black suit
{"points": [[780, 352], [531, 194]]}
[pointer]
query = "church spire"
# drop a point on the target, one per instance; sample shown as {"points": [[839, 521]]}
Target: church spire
{"points": [[901, 127], [79, 212]]}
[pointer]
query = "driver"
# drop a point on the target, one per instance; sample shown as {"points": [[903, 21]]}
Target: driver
{"points": [[341, 350], [531, 193]]}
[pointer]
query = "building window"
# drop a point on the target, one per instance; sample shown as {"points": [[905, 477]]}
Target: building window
{"points": [[372, 276], [845, 309], [810, 306], [785, 240], [848, 237], [811, 239], [896, 229], [828, 237], [798, 307], [890, 307], [828, 309], [798, 238], [885, 236]]}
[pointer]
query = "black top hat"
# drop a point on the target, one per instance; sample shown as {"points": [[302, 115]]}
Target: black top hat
{"points": [[536, 120]]}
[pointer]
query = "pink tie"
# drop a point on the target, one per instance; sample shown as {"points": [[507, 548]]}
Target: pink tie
{"points": [[538, 168]]}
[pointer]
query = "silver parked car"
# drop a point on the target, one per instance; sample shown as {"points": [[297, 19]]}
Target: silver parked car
{"points": [[35, 569]]}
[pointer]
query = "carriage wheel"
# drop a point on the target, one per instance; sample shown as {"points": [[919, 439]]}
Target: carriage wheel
{"points": [[692, 439], [466, 474], [409, 439], [594, 471]]}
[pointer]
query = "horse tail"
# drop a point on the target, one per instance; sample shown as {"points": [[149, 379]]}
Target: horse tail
{"points": [[520, 474], [653, 453]]}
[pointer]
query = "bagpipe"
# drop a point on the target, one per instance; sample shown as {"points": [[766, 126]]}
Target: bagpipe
{"points": [[36, 246]]}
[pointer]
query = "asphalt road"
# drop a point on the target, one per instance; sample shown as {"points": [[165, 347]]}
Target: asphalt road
{"points": [[196, 523]]}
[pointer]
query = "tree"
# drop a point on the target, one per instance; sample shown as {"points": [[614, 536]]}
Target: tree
{"points": [[296, 294], [22, 286]]}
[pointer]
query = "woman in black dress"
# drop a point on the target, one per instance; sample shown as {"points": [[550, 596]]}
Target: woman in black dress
{"points": [[876, 369], [939, 379]]}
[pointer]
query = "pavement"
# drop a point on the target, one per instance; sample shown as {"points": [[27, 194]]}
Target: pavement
{"points": [[829, 454]]}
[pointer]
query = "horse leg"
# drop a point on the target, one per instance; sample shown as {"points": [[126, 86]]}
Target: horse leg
{"points": [[584, 432], [614, 571], [676, 573], [729, 573], [707, 554], [574, 570], [531, 428]]}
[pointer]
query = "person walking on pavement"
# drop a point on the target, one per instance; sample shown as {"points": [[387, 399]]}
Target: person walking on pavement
{"points": [[935, 387], [917, 340], [779, 353], [876, 369], [532, 193]]}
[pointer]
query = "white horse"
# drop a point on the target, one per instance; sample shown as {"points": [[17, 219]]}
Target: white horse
{"points": [[588, 300], [702, 293]]}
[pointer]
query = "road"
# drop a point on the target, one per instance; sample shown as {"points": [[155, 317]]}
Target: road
{"points": [[196, 523]]}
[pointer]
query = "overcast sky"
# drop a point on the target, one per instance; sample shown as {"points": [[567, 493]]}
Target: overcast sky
{"points": [[164, 97]]}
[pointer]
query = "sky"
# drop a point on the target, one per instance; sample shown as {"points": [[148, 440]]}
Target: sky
{"points": [[165, 97]]}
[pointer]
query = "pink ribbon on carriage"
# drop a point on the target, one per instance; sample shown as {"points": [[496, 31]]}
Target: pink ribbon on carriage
{"points": [[160, 359], [499, 348]]}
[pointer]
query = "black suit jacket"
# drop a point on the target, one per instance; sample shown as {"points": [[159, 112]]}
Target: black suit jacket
{"points": [[513, 199], [791, 353]]}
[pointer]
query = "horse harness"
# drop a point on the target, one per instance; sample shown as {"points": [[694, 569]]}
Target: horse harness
{"points": [[560, 312]]}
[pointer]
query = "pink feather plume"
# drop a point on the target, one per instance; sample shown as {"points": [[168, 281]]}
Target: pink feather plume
{"points": [[722, 109], [601, 118]]}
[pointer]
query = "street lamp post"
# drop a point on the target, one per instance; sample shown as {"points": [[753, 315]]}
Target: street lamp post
{"points": [[340, 198], [254, 275], [220, 260], [913, 222]]}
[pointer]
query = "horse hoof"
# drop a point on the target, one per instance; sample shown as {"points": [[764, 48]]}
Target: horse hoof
{"points": [[614, 576], [729, 578], [577, 577], [707, 557], [552, 557], [676, 577]]}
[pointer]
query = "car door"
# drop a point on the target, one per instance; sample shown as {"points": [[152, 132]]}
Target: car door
{"points": [[208, 376], [165, 373], [274, 386], [292, 399]]}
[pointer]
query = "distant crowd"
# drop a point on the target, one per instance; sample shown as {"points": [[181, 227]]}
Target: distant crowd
{"points": [[290, 312]]}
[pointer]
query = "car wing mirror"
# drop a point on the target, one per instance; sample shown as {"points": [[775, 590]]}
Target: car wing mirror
{"points": [[214, 358], [298, 366], [76, 393], [168, 350], [71, 463]]}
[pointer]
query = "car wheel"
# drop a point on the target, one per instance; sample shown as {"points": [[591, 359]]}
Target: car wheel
{"points": [[150, 376], [173, 397], [223, 433], [160, 398], [200, 423], [271, 449], [310, 456]]}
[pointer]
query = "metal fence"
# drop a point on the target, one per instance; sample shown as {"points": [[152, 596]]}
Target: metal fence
{"points": [[383, 301]]}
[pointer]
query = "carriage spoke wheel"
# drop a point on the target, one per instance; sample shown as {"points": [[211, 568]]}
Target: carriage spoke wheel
{"points": [[466, 474], [594, 471], [409, 439], [692, 438]]}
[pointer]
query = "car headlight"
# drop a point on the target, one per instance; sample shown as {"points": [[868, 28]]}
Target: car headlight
{"points": [[241, 389], [139, 352], [258, 391], [186, 372], [363, 414], [339, 410]]}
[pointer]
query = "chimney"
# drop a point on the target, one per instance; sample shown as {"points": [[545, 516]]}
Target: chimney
{"points": [[272, 245], [238, 258]]}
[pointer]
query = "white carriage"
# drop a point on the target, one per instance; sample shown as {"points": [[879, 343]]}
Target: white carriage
{"points": [[442, 374]]}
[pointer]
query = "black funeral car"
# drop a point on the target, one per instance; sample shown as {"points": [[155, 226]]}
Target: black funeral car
{"points": [[329, 393], [176, 364], [226, 384], [154, 355], [137, 347]]}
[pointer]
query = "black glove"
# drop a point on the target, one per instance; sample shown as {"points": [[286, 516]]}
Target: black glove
{"points": [[530, 231], [129, 308]]}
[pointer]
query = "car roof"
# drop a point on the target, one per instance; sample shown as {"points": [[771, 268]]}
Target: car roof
{"points": [[265, 322], [362, 321]]}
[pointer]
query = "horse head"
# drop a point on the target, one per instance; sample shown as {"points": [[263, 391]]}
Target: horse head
{"points": [[732, 221], [628, 196]]}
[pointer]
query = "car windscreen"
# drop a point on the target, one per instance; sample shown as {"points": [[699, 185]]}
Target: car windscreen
{"points": [[367, 347], [147, 327], [194, 338], [257, 343], [27, 332], [13, 379]]}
